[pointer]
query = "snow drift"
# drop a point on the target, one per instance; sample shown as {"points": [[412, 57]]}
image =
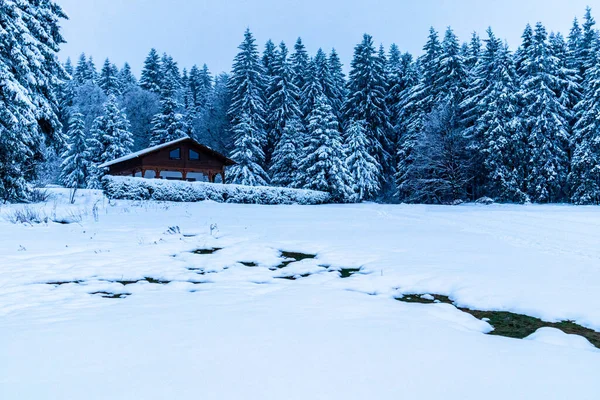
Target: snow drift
{"points": [[130, 188]]}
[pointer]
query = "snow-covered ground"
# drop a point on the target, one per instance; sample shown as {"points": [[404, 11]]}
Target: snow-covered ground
{"points": [[223, 330]]}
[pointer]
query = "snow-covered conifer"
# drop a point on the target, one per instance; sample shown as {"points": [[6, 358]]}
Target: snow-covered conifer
{"points": [[362, 167], [76, 158], [151, 73], [322, 166]]}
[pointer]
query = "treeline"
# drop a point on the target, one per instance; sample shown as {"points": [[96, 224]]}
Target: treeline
{"points": [[461, 122]]}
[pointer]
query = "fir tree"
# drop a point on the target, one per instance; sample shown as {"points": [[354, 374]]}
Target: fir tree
{"points": [[201, 83], [323, 163], [283, 101], [300, 61], [337, 95], [85, 71], [126, 78], [29, 72], [247, 114], [416, 106], [284, 167], [111, 139], [362, 167], [151, 73], [589, 37], [543, 115], [109, 79], [503, 137], [248, 154], [584, 178], [367, 102], [473, 52], [76, 158], [169, 124], [312, 90]]}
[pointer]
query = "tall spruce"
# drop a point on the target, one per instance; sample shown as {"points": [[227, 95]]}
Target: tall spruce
{"points": [[247, 114], [367, 102], [300, 61], [322, 166], [151, 73], [282, 103], [543, 116], [362, 167], [584, 178], [284, 167], [109, 79], [29, 72], [338, 92], [76, 158]]}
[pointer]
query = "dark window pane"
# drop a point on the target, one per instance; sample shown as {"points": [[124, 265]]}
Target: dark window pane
{"points": [[194, 155], [175, 154]]}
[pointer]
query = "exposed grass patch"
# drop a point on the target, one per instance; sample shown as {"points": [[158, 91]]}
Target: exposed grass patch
{"points": [[108, 295], [348, 272], [59, 283], [249, 263], [207, 251], [509, 324]]}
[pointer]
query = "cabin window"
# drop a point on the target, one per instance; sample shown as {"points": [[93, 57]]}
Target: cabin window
{"points": [[175, 154], [194, 155]]}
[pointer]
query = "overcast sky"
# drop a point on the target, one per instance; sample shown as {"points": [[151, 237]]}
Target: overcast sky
{"points": [[198, 31]]}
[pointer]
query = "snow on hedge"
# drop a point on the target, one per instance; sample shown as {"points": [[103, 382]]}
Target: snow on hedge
{"points": [[130, 188]]}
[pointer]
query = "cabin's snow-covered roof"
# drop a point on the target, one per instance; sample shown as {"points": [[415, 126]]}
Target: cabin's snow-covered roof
{"points": [[153, 149]]}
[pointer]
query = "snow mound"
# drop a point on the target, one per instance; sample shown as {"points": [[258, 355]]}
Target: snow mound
{"points": [[557, 337], [130, 188]]}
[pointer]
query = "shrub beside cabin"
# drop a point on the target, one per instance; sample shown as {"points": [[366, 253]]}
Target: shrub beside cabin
{"points": [[182, 159]]}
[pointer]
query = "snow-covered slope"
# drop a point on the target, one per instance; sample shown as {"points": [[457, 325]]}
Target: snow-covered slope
{"points": [[220, 329]]}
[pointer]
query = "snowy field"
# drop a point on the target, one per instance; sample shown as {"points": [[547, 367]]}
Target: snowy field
{"points": [[226, 325]]}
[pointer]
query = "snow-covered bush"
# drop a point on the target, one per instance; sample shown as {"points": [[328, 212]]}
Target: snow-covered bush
{"points": [[130, 188]]}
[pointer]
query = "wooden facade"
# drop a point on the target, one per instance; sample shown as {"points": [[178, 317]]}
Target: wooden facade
{"points": [[184, 156]]}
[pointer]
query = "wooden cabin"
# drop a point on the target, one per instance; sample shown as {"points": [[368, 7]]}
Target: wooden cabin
{"points": [[181, 159]]}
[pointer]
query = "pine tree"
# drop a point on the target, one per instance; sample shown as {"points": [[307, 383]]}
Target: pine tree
{"points": [[126, 78], [588, 43], [362, 167], [502, 134], [111, 139], [416, 106], [452, 75], [109, 79], [268, 61], [473, 52], [248, 154], [575, 59], [76, 158], [201, 83], [284, 167], [543, 115], [247, 114], [338, 94], [584, 178], [367, 102], [312, 90], [169, 124], [213, 125], [300, 62], [323, 75], [29, 72], [283, 101], [322, 166], [151, 73]]}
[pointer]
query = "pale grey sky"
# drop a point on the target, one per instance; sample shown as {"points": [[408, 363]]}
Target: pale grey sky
{"points": [[199, 31]]}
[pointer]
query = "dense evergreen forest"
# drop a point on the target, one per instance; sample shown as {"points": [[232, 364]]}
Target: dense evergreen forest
{"points": [[459, 123]]}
